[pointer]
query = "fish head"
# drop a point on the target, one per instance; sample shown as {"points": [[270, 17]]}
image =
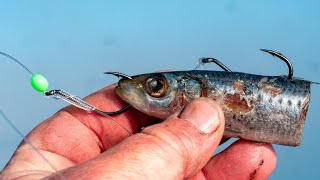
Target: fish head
{"points": [[154, 94]]}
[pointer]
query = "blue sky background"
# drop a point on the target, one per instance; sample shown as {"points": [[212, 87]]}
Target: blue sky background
{"points": [[73, 42]]}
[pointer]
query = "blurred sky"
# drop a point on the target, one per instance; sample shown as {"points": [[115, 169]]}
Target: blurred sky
{"points": [[73, 42]]}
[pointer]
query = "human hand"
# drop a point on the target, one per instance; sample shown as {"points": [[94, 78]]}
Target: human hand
{"points": [[83, 145]]}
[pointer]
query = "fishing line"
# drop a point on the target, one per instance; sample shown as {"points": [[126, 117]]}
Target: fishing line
{"points": [[14, 59], [38, 81], [14, 127], [41, 84]]}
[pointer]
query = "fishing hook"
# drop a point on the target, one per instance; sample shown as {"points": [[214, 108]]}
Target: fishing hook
{"points": [[78, 102], [216, 61], [282, 57], [113, 113], [118, 74]]}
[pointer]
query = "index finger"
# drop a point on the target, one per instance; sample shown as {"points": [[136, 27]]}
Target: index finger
{"points": [[73, 135]]}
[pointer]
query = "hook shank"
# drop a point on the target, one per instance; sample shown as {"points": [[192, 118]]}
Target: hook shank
{"points": [[282, 57]]}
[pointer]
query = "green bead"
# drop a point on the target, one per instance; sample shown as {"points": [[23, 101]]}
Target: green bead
{"points": [[39, 83]]}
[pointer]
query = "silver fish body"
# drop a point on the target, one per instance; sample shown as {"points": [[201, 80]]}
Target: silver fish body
{"points": [[269, 109]]}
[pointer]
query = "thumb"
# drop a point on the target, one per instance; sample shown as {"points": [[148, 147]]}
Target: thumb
{"points": [[189, 139], [177, 148]]}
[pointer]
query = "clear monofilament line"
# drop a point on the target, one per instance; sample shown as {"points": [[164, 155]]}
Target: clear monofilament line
{"points": [[28, 142], [14, 59], [38, 81]]}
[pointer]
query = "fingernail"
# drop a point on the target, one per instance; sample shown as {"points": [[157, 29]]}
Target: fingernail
{"points": [[204, 114]]}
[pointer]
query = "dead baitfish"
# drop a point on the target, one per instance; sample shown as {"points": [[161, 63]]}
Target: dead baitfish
{"points": [[269, 109]]}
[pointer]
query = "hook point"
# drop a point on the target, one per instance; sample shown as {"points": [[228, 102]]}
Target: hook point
{"points": [[282, 57], [119, 75]]}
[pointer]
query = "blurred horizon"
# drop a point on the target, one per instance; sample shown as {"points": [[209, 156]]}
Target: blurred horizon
{"points": [[72, 43]]}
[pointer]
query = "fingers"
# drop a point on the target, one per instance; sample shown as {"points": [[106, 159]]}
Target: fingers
{"points": [[91, 133], [73, 135], [107, 129], [174, 149], [107, 100], [242, 160]]}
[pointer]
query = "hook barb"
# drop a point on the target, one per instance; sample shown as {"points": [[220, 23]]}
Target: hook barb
{"points": [[282, 57]]}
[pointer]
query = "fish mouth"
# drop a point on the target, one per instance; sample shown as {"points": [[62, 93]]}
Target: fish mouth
{"points": [[128, 89], [132, 92]]}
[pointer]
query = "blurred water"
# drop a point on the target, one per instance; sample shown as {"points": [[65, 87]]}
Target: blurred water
{"points": [[73, 42]]}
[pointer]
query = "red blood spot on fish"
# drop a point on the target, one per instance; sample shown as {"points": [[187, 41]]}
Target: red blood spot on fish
{"points": [[273, 91], [204, 92], [237, 104], [181, 100], [238, 85]]}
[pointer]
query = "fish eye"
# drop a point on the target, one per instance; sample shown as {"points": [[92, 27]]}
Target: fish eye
{"points": [[156, 86]]}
